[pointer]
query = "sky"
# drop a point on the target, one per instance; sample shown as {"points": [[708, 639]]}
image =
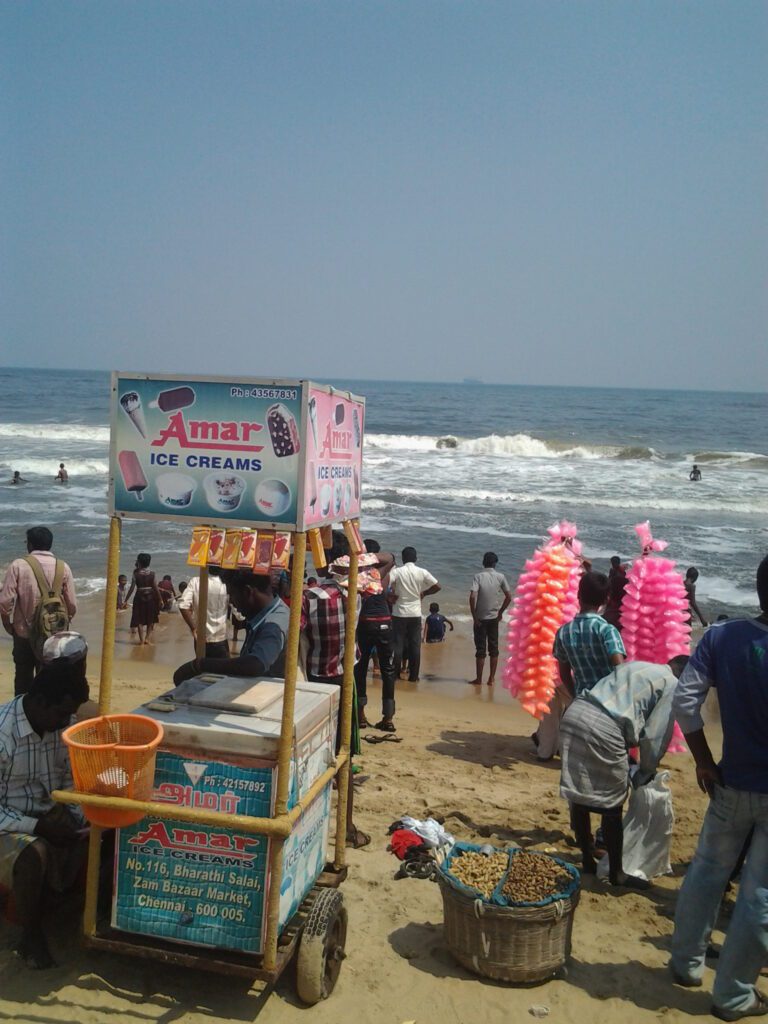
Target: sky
{"points": [[524, 192]]}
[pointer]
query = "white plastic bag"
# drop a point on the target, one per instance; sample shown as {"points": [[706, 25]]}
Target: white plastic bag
{"points": [[647, 830]]}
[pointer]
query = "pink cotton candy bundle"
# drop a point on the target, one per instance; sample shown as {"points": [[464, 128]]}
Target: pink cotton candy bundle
{"points": [[654, 612], [677, 744], [545, 598]]}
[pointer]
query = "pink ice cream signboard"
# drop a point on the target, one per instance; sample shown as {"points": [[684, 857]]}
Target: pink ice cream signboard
{"points": [[334, 461], [235, 451]]}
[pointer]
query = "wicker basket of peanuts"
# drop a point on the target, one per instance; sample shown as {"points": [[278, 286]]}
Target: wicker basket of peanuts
{"points": [[508, 912]]}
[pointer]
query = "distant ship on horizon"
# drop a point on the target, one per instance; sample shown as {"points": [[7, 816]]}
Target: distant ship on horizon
{"points": [[472, 380]]}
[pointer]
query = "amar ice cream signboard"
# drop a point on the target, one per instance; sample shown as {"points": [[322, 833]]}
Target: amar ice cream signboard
{"points": [[234, 451], [334, 456]]}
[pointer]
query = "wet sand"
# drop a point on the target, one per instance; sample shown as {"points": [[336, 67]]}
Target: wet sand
{"points": [[466, 756]]}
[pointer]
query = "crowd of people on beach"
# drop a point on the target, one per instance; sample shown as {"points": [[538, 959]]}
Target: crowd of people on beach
{"points": [[610, 715]]}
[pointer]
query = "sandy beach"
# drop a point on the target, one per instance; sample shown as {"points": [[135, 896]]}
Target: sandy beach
{"points": [[466, 756]]}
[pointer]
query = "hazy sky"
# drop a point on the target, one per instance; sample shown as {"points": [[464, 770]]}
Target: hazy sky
{"points": [[527, 192]]}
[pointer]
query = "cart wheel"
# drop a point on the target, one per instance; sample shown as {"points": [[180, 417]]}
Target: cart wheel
{"points": [[321, 949]]}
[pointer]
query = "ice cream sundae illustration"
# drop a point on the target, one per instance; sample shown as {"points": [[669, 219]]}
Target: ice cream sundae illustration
{"points": [[175, 489], [273, 497], [223, 491]]}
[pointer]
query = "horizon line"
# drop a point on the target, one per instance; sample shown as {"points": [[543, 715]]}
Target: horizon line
{"points": [[463, 382]]}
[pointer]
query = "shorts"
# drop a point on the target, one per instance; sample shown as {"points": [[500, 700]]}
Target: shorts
{"points": [[63, 864], [487, 630]]}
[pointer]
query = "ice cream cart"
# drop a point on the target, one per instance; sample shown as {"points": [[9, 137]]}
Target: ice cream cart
{"points": [[242, 790]]}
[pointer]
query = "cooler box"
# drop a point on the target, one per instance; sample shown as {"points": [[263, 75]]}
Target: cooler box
{"points": [[209, 887]]}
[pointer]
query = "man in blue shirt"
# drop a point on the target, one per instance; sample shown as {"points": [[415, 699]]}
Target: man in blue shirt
{"points": [[266, 617], [733, 657]]}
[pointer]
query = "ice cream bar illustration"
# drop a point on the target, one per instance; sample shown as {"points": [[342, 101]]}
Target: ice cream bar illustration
{"points": [[356, 426], [313, 418], [356, 482], [174, 398], [282, 551], [133, 474], [312, 486], [198, 549], [247, 549], [216, 547], [316, 546], [131, 404], [264, 546], [283, 431], [231, 549], [339, 414]]}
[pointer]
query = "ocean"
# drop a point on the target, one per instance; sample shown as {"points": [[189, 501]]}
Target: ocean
{"points": [[524, 457]]}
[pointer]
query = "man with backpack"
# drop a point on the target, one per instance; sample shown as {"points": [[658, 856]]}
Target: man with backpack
{"points": [[37, 599]]}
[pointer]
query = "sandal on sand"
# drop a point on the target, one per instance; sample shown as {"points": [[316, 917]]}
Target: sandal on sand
{"points": [[386, 738], [758, 1009], [385, 726], [357, 839]]}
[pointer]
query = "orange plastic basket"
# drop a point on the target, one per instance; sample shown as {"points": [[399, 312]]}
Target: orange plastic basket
{"points": [[114, 755]]}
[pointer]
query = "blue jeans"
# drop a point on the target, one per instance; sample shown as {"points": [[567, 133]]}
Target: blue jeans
{"points": [[731, 815]]}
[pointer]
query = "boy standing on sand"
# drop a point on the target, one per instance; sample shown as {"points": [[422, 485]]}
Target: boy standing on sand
{"points": [[488, 599]]}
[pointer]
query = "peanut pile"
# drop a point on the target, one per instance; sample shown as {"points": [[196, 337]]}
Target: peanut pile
{"points": [[533, 878], [479, 871]]}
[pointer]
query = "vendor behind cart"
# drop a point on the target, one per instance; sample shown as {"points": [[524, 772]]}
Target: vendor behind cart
{"points": [[266, 616], [42, 845]]}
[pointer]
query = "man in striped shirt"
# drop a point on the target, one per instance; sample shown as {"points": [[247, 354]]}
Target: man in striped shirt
{"points": [[41, 843], [588, 647], [323, 622]]}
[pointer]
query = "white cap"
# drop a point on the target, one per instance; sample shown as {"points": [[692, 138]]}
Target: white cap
{"points": [[65, 646]]}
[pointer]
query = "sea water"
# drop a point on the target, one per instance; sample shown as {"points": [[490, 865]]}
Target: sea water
{"points": [[524, 458]]}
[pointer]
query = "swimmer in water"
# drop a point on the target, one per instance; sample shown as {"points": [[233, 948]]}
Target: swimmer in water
{"points": [[695, 473]]}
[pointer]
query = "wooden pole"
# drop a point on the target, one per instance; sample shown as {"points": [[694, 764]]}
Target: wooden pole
{"points": [[202, 613], [285, 748], [110, 615], [345, 775]]}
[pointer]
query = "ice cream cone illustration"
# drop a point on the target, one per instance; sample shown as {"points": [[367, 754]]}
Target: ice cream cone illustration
{"points": [[131, 404], [312, 486]]}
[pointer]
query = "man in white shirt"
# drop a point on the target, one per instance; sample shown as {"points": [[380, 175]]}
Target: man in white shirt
{"points": [[216, 645], [409, 584]]}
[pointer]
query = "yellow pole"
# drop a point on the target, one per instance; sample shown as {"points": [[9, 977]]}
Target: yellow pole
{"points": [[345, 776], [110, 615], [284, 750], [202, 613], [92, 880]]}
